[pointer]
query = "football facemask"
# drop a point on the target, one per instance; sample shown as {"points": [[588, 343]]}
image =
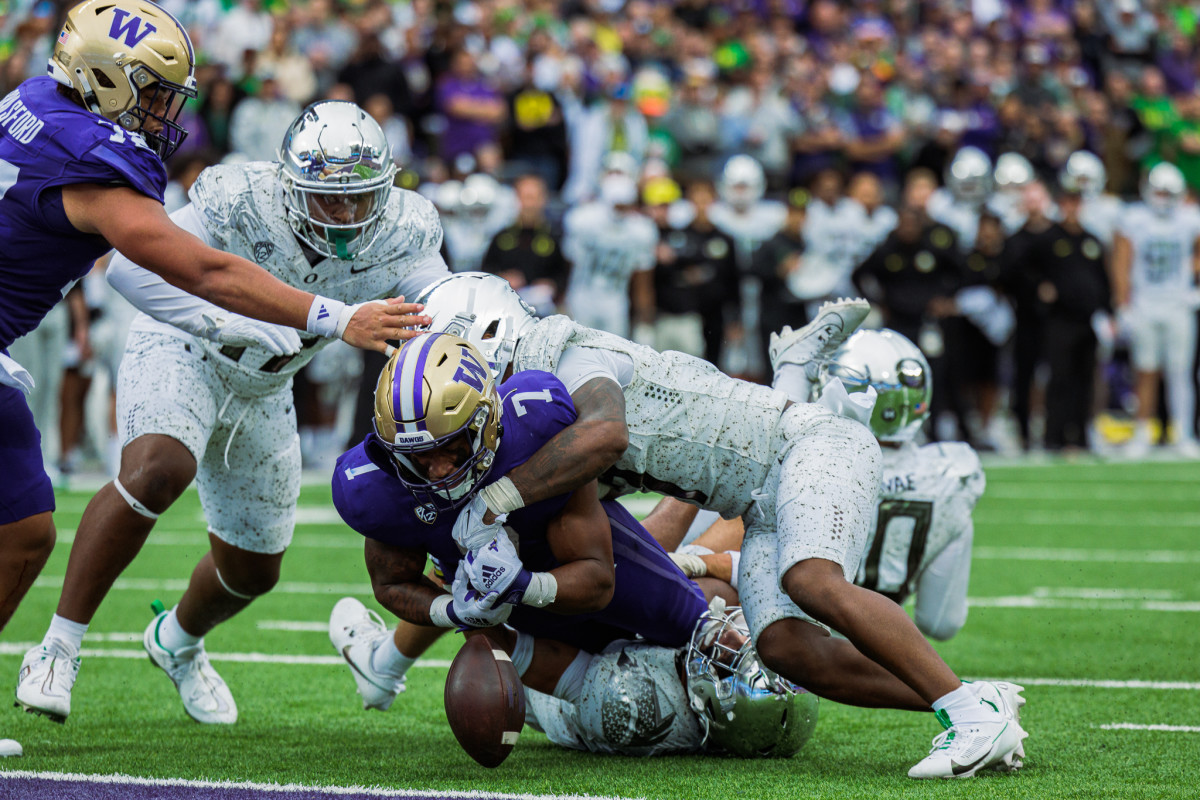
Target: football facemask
{"points": [[437, 413], [483, 309], [900, 374]]}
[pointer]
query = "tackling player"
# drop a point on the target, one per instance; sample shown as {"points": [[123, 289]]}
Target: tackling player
{"points": [[208, 395], [804, 478], [81, 172], [580, 571]]}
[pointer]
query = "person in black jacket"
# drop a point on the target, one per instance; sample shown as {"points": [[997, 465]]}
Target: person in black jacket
{"points": [[1073, 285], [528, 253]]}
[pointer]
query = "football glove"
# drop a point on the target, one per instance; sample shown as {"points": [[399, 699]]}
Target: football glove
{"points": [[496, 567], [238, 331], [470, 531], [472, 609]]}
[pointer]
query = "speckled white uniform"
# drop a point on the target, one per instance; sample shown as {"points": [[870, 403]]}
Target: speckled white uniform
{"points": [[923, 532], [804, 480], [232, 407], [633, 703], [605, 250]]}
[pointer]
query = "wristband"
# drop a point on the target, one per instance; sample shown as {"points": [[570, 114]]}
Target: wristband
{"points": [[325, 317], [502, 496], [542, 589], [690, 564], [441, 613]]}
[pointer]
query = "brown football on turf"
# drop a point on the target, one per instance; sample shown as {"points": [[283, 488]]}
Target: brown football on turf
{"points": [[484, 701]]}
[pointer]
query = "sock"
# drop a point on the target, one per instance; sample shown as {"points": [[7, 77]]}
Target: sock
{"points": [[64, 635], [522, 654], [963, 705], [388, 660], [792, 380], [570, 685], [172, 636]]}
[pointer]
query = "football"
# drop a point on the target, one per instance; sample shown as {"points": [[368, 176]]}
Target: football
{"points": [[484, 701]]}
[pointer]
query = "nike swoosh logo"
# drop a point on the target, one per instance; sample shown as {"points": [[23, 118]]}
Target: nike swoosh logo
{"points": [[356, 270], [354, 667]]}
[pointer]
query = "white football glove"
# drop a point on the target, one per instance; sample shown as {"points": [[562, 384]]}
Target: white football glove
{"points": [[496, 567], [239, 331], [470, 532], [471, 609]]}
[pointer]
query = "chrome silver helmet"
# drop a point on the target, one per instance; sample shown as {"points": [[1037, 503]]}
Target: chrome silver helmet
{"points": [[1163, 188], [1013, 171], [742, 182], [337, 173], [634, 702], [748, 709], [483, 309], [1084, 173], [969, 175], [900, 374]]}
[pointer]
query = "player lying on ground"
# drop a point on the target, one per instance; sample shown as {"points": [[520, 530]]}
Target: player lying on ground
{"points": [[805, 478], [921, 543], [206, 396], [443, 433]]}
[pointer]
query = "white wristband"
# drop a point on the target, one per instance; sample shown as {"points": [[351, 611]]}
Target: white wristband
{"points": [[692, 565], [543, 588], [502, 496], [438, 614], [735, 558], [325, 317]]}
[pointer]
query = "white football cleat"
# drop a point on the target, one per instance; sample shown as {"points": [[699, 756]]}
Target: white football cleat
{"points": [[205, 696], [356, 632], [962, 750], [817, 341], [10, 747], [1005, 697], [45, 681]]}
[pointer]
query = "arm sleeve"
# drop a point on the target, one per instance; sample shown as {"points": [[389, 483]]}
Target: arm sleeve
{"points": [[434, 268], [155, 297], [579, 365]]}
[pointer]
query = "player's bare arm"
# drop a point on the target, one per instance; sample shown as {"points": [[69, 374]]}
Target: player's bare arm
{"points": [[1122, 261], [581, 539], [138, 226], [580, 452], [399, 582]]}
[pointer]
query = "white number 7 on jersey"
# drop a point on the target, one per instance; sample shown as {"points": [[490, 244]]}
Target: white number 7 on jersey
{"points": [[544, 394]]}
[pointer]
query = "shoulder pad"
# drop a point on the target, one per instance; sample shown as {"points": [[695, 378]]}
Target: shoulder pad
{"points": [[419, 217], [218, 187], [959, 459]]}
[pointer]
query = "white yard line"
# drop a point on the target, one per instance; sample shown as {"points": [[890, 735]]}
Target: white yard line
{"points": [[361, 588], [331, 791], [1026, 601], [292, 625], [1132, 518], [1087, 554], [1133, 726]]}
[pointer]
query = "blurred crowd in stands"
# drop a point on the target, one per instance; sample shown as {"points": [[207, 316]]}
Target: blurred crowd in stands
{"points": [[697, 174]]}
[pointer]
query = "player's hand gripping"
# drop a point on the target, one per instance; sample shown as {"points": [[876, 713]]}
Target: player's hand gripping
{"points": [[470, 530], [473, 609], [240, 331], [371, 325], [496, 567]]}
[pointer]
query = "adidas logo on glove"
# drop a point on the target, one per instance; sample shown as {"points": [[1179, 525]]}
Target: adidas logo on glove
{"points": [[491, 575]]}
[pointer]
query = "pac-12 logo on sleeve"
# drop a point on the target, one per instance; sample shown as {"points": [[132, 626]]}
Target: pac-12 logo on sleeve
{"points": [[427, 513]]}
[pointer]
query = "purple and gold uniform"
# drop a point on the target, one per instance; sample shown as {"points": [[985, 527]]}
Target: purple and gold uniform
{"points": [[47, 142], [652, 597]]}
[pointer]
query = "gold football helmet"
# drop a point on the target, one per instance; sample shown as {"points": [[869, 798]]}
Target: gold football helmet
{"points": [[130, 62], [437, 394]]}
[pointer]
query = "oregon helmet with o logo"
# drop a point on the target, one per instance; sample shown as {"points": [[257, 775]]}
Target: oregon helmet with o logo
{"points": [[437, 391], [130, 62], [337, 173], [900, 374]]}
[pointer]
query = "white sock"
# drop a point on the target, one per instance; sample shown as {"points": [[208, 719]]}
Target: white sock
{"points": [[172, 636], [792, 380], [64, 635], [388, 660], [963, 705], [570, 684]]}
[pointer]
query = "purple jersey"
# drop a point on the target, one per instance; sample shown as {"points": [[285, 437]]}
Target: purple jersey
{"points": [[46, 142], [652, 597]]}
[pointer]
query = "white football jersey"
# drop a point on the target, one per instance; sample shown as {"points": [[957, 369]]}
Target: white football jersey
{"points": [[606, 248], [748, 229], [925, 503], [694, 432], [241, 210], [1162, 253], [960, 217], [1100, 216]]}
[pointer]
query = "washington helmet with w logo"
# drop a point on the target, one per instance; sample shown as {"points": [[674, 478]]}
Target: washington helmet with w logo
{"points": [[436, 403], [130, 62]]}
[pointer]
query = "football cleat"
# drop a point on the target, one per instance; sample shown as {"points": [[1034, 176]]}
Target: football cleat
{"points": [[45, 681], [356, 633], [1005, 697], [205, 696], [10, 747], [817, 341], [962, 750]]}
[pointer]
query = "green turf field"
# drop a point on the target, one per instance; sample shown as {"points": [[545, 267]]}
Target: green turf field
{"points": [[1085, 588]]}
